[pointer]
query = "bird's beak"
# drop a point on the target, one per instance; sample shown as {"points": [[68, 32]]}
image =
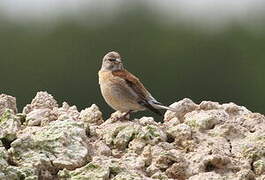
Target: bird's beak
{"points": [[118, 60]]}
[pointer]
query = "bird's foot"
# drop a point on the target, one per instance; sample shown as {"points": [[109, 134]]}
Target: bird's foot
{"points": [[124, 117], [118, 116]]}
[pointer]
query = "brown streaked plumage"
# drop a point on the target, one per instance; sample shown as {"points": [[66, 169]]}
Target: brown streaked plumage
{"points": [[122, 90]]}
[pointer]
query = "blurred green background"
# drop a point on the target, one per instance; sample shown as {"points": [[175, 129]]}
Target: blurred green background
{"points": [[174, 57]]}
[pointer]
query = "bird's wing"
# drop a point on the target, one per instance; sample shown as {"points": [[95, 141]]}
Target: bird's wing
{"points": [[139, 89], [132, 82]]}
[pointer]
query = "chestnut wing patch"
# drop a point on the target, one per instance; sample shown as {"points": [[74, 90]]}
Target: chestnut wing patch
{"points": [[132, 82], [138, 87]]}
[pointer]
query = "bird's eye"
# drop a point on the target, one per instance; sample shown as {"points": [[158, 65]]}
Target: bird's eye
{"points": [[112, 60]]}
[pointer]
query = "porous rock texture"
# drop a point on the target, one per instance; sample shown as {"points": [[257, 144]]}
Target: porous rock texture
{"points": [[206, 141]]}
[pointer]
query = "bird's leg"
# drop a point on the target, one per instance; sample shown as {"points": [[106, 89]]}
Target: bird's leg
{"points": [[126, 115]]}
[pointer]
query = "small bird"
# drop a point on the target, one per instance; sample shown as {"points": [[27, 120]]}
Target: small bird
{"points": [[122, 90]]}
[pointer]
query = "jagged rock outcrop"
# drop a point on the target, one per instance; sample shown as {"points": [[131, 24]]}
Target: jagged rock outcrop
{"points": [[198, 142]]}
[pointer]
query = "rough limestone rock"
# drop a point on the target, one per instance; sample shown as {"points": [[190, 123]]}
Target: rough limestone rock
{"points": [[91, 115], [8, 171], [3, 161], [60, 144], [206, 141], [10, 124], [7, 102], [40, 109], [119, 135], [42, 100], [44, 109]]}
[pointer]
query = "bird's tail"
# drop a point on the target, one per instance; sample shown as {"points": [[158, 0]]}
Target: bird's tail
{"points": [[160, 106]]}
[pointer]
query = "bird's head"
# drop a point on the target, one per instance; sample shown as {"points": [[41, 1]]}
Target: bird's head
{"points": [[112, 62]]}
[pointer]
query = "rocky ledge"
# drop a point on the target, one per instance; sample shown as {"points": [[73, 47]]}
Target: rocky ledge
{"points": [[200, 142]]}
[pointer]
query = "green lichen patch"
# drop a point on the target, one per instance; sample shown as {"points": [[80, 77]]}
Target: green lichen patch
{"points": [[259, 166], [8, 172], [160, 176], [3, 159], [119, 135], [5, 116], [254, 146], [151, 134], [91, 171], [18, 173], [124, 136], [253, 152], [204, 120], [10, 124], [61, 144], [193, 123], [128, 176]]}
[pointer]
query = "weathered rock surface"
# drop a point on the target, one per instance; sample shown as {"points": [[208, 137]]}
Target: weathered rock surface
{"points": [[10, 124], [206, 141], [7, 102]]}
